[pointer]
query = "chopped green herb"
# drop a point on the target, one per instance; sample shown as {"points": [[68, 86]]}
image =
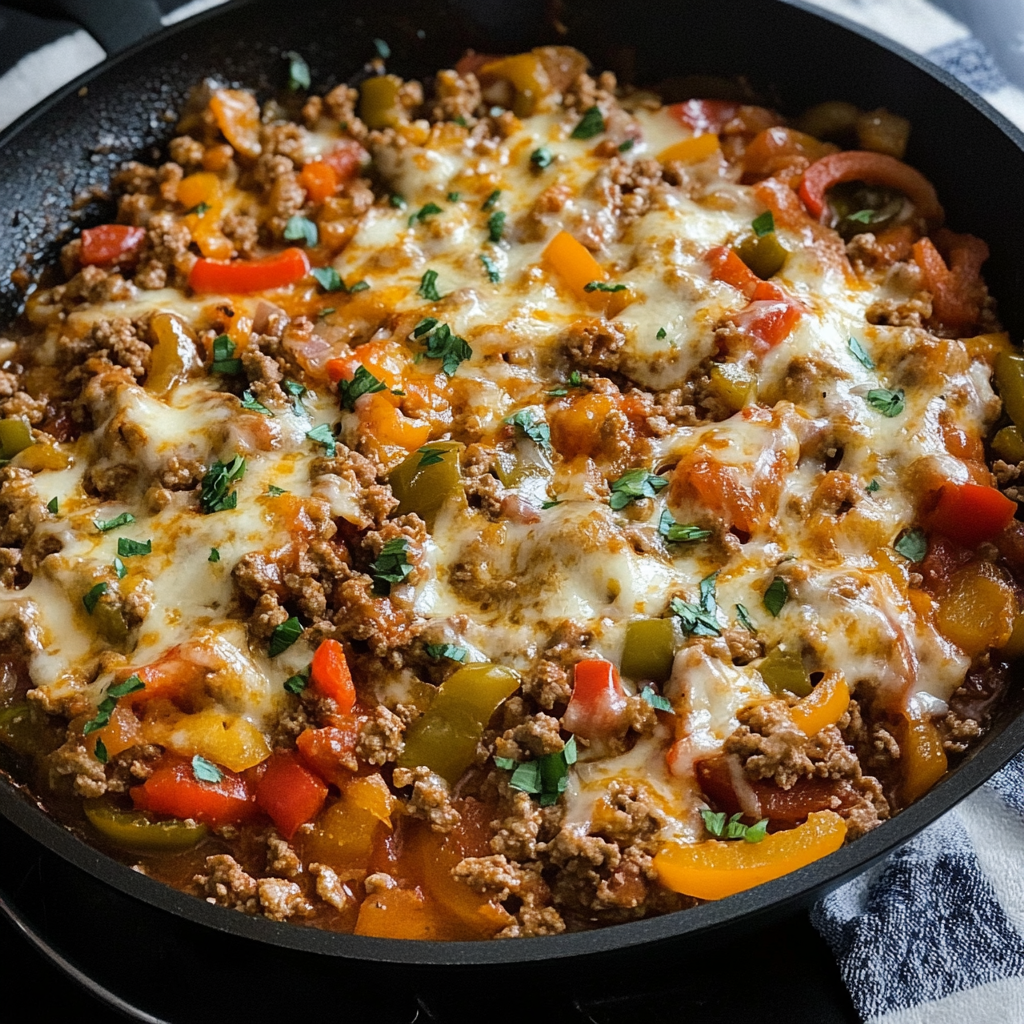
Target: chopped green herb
{"points": [[460, 121], [656, 701], [328, 279], [591, 124], [52, 506], [764, 224], [100, 751], [284, 636], [504, 762], [744, 616], [575, 381], [717, 824], [428, 287], [296, 390], [362, 383], [92, 598], [425, 326], [527, 425], [491, 200], [214, 494], [913, 545], [430, 457], [325, 436], [301, 229], [526, 777], [443, 344], [546, 777], [296, 683], [382, 48], [695, 620], [392, 566], [860, 354], [872, 487], [776, 596], [603, 286], [662, 334], [250, 403], [119, 569], [130, 685], [206, 771], [453, 197], [359, 286], [626, 145], [274, 491], [493, 274], [679, 533], [298, 71], [103, 525], [550, 504], [450, 651], [634, 484], [541, 157], [223, 350], [430, 210], [496, 225], [888, 403], [200, 209], [102, 717], [214, 555], [397, 201], [862, 216], [127, 548]]}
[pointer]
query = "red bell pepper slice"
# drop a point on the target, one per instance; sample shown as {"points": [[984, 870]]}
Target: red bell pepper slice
{"points": [[174, 789], [768, 321], [327, 750], [110, 243], [704, 116], [874, 169], [277, 271], [345, 160], [957, 290], [330, 675], [728, 267], [598, 701], [970, 513], [289, 792]]}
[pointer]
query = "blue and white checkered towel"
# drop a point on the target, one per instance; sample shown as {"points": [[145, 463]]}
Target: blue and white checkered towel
{"points": [[935, 934]]}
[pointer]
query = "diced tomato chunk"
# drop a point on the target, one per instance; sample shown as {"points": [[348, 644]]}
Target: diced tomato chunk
{"points": [[173, 789], [110, 243], [330, 675], [289, 792], [598, 701]]}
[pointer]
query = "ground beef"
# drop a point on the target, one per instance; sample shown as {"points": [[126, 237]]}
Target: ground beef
{"points": [[329, 886], [373, 501], [594, 342], [108, 343], [282, 860], [280, 899], [430, 798], [227, 885], [455, 96], [526, 735], [909, 313], [243, 232], [132, 766], [75, 760], [21, 509], [381, 737], [186, 151]]}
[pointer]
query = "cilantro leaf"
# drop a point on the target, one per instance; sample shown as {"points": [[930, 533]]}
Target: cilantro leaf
{"points": [[888, 403], [714, 821], [428, 287], [52, 506], [382, 48], [550, 504], [744, 616], [250, 403], [860, 353], [430, 210], [425, 326], [755, 833], [301, 229], [634, 484], [496, 225], [662, 334], [679, 533], [359, 286], [626, 145], [397, 201], [362, 383], [454, 197], [127, 548], [603, 286], [92, 598], [504, 762], [776, 596], [102, 717], [103, 525], [100, 750], [274, 491], [591, 124], [429, 457], [526, 777], [656, 701], [912, 545], [491, 200], [695, 620], [764, 224], [296, 683], [527, 425], [450, 651], [862, 216], [325, 436], [119, 569], [493, 274], [215, 494], [872, 487], [214, 555], [392, 566], [445, 345], [200, 210], [284, 636], [541, 157], [223, 350], [130, 685], [298, 71], [328, 279], [206, 771]]}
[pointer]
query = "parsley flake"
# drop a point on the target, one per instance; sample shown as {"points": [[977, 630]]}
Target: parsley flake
{"points": [[496, 225], [450, 651], [103, 525], [493, 274], [626, 145], [128, 548], [325, 436], [206, 771], [132, 684], [541, 157], [359, 286], [744, 616], [776, 596], [527, 425], [428, 287], [634, 484], [453, 197], [52, 506], [491, 200], [872, 487], [392, 566], [764, 224], [603, 286], [223, 351], [101, 752], [102, 717], [296, 683], [284, 636], [430, 210], [550, 504], [662, 334], [445, 345], [215, 494], [298, 71], [862, 216], [429, 457], [860, 353], [680, 533], [656, 701], [119, 569], [328, 279], [397, 201], [214, 555], [382, 48], [301, 229], [912, 545], [888, 403], [250, 403], [274, 491], [200, 210], [92, 598], [732, 828], [591, 124], [362, 383]]}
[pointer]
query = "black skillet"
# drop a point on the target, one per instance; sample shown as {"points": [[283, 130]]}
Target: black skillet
{"points": [[788, 54]]}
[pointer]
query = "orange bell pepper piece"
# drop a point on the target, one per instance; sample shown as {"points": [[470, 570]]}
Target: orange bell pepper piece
{"points": [[330, 675], [715, 869], [320, 180], [703, 115], [575, 266], [397, 914], [238, 116], [277, 271], [381, 419], [823, 706], [922, 758], [692, 150]]}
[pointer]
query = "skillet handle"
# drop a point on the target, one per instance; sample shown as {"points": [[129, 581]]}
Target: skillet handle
{"points": [[115, 24]]}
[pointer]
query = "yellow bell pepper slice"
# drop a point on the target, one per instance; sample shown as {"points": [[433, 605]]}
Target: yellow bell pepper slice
{"points": [[576, 267], [922, 758], [823, 706], [715, 869], [690, 151]]}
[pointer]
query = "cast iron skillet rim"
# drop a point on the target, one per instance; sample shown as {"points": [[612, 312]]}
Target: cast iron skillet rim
{"points": [[790, 891]]}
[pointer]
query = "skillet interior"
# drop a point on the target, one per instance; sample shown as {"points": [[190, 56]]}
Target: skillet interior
{"points": [[790, 56]]}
